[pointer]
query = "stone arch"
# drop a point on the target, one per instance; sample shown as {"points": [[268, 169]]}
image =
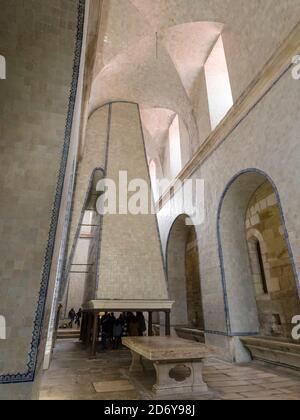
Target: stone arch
{"points": [[237, 278], [183, 273]]}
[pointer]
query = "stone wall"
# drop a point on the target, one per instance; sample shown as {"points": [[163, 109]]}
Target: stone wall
{"points": [[176, 271], [193, 286], [267, 140], [263, 223], [38, 40]]}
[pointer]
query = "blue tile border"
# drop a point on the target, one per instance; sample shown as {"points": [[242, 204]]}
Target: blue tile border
{"points": [[29, 374], [220, 249]]}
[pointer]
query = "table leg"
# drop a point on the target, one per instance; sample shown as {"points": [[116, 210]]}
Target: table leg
{"points": [[150, 324], [88, 328], [83, 327], [168, 384], [199, 386], [136, 363], [168, 324]]}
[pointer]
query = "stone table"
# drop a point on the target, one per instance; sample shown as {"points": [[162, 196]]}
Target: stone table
{"points": [[178, 363], [91, 310]]}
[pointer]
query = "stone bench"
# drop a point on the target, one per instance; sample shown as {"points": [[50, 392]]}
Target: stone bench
{"points": [[274, 351], [178, 363], [191, 334]]}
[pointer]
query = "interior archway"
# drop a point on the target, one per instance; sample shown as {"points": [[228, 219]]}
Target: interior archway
{"points": [[184, 275], [259, 280]]}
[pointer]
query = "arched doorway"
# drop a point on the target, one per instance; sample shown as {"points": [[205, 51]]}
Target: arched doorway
{"points": [[259, 279], [183, 271]]}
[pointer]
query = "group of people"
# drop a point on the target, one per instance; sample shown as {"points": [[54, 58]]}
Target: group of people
{"points": [[75, 318], [128, 324], [112, 329]]}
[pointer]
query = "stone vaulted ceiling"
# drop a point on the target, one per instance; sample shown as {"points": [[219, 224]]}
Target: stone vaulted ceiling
{"points": [[152, 51], [142, 60]]}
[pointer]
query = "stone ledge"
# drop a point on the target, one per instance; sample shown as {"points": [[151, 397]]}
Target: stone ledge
{"points": [[190, 334], [128, 305], [273, 351]]}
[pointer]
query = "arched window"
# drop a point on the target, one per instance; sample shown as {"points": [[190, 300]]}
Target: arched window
{"points": [[219, 92], [257, 257], [153, 176], [261, 268], [175, 148]]}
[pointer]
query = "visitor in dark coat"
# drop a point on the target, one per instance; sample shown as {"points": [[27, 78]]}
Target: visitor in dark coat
{"points": [[142, 323]]}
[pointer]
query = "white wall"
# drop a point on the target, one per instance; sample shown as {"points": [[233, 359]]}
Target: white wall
{"points": [[268, 139]]}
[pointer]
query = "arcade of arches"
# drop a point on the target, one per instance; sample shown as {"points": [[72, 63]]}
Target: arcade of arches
{"points": [[149, 163]]}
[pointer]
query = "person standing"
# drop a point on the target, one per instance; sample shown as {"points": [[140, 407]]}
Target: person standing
{"points": [[124, 321], [72, 315], [78, 318], [142, 323], [104, 329], [117, 334], [133, 327]]}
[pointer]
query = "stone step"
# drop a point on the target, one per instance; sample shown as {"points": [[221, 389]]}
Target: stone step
{"points": [[66, 334]]}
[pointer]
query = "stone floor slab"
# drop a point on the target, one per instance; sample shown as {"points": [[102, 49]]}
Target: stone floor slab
{"points": [[72, 377], [113, 386]]}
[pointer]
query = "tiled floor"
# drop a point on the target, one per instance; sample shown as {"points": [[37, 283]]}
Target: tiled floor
{"points": [[72, 375]]}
